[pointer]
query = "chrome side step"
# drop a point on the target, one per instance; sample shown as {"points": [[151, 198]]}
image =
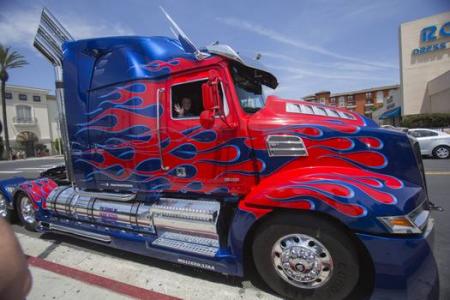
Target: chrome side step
{"points": [[79, 232], [182, 244]]}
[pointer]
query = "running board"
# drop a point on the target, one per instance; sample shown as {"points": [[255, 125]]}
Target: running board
{"points": [[185, 243], [78, 232]]}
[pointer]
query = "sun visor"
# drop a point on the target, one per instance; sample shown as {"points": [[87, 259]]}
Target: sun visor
{"points": [[261, 73]]}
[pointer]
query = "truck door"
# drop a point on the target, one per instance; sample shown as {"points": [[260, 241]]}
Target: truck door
{"points": [[198, 159]]}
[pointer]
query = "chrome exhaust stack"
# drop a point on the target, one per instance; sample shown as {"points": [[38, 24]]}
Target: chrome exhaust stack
{"points": [[48, 41]]}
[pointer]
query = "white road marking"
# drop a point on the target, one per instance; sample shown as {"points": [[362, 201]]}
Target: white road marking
{"points": [[437, 173], [10, 172], [32, 169], [48, 166]]}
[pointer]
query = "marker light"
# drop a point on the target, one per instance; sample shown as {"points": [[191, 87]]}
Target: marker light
{"points": [[413, 223]]}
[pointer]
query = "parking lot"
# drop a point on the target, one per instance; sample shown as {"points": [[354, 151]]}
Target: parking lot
{"points": [[65, 267]]}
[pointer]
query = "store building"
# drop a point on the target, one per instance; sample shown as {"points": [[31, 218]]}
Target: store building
{"points": [[425, 65], [32, 117], [369, 102]]}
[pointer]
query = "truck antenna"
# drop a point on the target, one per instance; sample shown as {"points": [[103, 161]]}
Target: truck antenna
{"points": [[186, 43]]}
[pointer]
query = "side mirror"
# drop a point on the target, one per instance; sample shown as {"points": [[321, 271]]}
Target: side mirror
{"points": [[210, 93], [207, 119]]}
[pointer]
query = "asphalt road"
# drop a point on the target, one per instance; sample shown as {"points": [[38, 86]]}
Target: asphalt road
{"points": [[28, 168], [438, 180]]}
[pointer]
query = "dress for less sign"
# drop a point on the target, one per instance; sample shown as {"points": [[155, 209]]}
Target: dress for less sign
{"points": [[433, 35]]}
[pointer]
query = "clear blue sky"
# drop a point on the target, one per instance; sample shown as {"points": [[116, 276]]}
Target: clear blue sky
{"points": [[311, 45]]}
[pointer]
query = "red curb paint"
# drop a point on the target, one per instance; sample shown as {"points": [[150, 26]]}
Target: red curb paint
{"points": [[89, 278]]}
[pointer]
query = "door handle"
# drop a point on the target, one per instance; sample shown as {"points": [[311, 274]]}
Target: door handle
{"points": [[158, 128]]}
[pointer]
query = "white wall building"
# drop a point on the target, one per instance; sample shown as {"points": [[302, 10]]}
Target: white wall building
{"points": [[425, 65], [32, 118]]}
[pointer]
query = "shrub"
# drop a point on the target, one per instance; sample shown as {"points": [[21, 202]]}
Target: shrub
{"points": [[435, 120], [56, 144]]}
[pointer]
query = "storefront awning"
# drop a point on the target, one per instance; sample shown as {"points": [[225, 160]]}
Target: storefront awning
{"points": [[395, 112]]}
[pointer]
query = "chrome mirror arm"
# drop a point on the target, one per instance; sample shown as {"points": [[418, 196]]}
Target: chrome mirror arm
{"points": [[158, 127]]}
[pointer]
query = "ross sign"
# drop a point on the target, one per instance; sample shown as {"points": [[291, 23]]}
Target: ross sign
{"points": [[431, 34]]}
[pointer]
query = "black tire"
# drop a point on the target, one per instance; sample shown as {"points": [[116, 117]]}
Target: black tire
{"points": [[441, 152], [27, 222], [344, 275]]}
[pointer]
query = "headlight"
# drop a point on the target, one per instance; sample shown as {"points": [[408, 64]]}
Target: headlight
{"points": [[412, 223]]}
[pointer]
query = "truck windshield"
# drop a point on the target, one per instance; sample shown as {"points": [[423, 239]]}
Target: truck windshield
{"points": [[248, 88]]}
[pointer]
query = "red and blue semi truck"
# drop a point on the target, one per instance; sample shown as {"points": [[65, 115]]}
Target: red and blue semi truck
{"points": [[318, 201]]}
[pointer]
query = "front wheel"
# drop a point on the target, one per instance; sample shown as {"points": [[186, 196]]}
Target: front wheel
{"points": [[26, 212], [5, 213], [306, 257], [441, 152]]}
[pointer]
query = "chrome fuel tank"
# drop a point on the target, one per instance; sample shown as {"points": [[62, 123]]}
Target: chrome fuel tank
{"points": [[131, 215], [183, 218]]}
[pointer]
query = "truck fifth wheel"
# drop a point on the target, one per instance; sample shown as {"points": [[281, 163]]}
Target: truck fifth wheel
{"points": [[173, 152]]}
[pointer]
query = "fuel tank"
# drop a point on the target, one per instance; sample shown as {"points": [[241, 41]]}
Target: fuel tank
{"points": [[167, 216]]}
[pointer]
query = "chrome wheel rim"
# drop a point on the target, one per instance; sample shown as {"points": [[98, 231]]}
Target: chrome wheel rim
{"points": [[3, 207], [302, 261], [442, 152], [27, 210]]}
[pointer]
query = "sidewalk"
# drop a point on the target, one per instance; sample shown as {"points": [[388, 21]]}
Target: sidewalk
{"points": [[91, 271], [50, 285]]}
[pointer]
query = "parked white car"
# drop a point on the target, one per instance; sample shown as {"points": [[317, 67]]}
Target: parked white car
{"points": [[432, 142]]}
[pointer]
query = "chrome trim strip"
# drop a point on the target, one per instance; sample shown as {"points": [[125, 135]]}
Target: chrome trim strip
{"points": [[79, 232], [107, 196]]}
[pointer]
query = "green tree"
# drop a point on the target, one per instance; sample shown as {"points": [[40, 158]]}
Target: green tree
{"points": [[8, 60]]}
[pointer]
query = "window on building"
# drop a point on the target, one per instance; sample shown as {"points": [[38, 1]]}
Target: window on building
{"points": [[333, 101], [341, 101], [369, 96], [379, 97], [8, 95], [351, 100], [23, 114], [37, 98], [391, 93], [23, 97], [322, 100]]}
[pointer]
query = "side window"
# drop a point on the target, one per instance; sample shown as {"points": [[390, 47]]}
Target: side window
{"points": [[428, 133], [415, 133], [187, 100]]}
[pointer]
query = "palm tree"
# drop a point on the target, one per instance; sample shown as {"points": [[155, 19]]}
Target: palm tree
{"points": [[8, 60]]}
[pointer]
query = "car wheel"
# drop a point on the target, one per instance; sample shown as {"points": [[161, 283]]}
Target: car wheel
{"points": [[5, 213], [306, 257], [441, 152], [26, 212]]}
